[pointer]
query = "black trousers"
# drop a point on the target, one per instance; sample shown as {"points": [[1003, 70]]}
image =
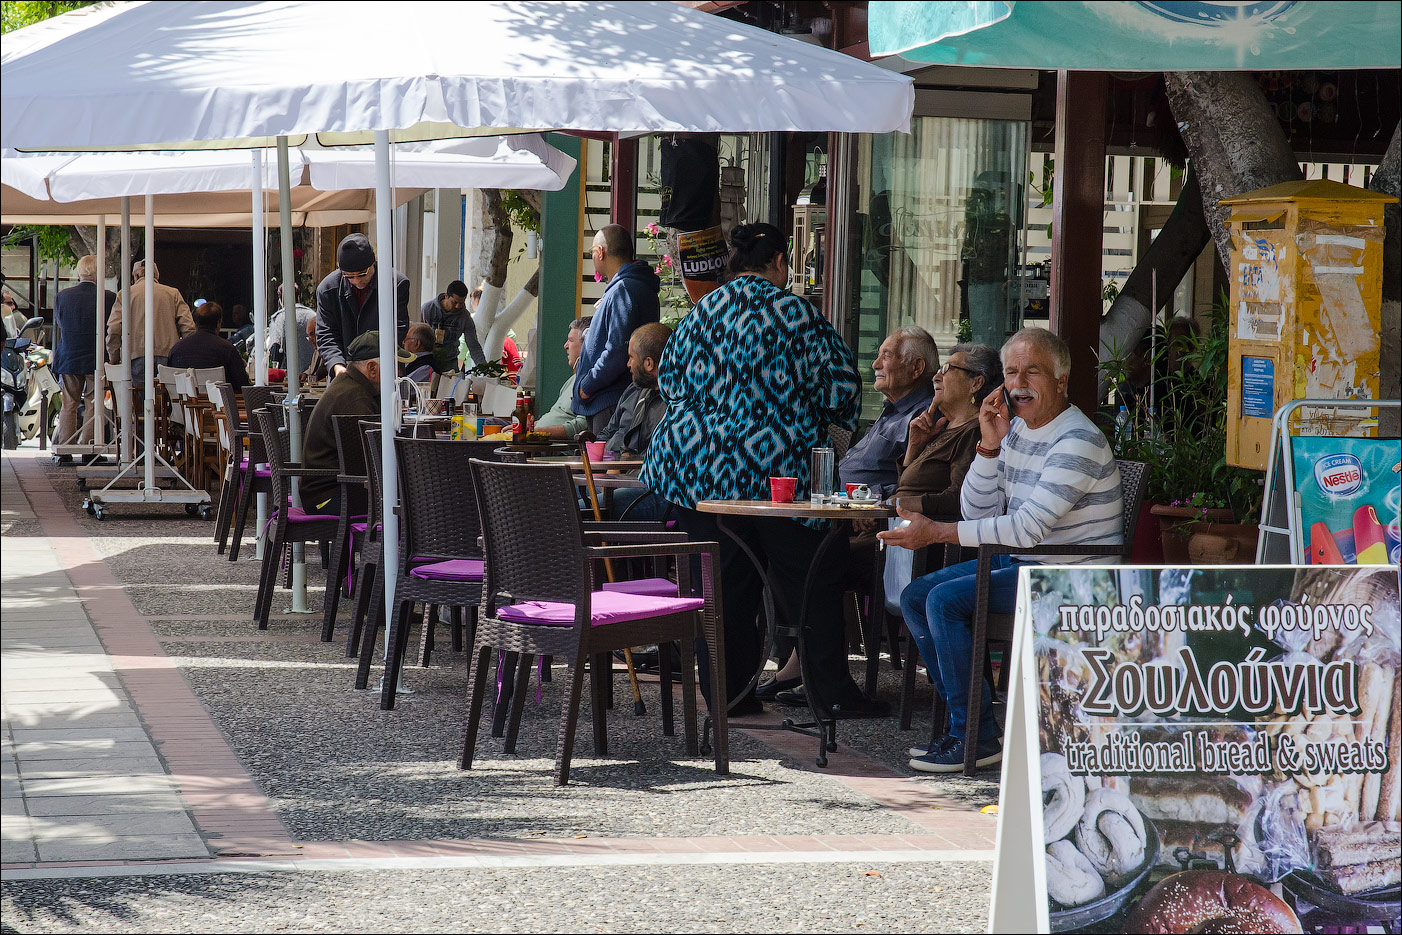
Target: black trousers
{"points": [[787, 549]]}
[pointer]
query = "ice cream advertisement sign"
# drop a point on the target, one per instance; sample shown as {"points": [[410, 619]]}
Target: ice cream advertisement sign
{"points": [[1194, 750], [1348, 499]]}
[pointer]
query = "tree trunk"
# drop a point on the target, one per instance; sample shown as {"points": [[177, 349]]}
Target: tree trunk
{"points": [[1388, 180], [1234, 140], [502, 235], [495, 338], [83, 240], [1155, 276]]}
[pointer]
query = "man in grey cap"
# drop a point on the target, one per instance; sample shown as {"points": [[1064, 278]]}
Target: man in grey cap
{"points": [[348, 305]]}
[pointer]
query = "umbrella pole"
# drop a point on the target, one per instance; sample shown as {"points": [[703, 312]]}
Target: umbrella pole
{"points": [[389, 385], [124, 386], [294, 415], [638, 707], [97, 412], [149, 404], [260, 313]]}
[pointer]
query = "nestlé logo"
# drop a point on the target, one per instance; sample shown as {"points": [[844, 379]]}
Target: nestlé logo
{"points": [[1338, 475]]}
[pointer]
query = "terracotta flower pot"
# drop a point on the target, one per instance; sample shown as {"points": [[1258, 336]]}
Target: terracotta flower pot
{"points": [[1177, 524], [1223, 544]]}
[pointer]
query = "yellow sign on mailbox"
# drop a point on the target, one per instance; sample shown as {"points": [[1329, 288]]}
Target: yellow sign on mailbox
{"points": [[1306, 295]]}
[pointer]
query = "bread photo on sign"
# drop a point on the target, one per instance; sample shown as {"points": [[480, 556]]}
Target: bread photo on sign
{"points": [[1096, 840]]}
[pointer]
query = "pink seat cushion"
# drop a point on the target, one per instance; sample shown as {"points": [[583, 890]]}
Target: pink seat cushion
{"points": [[296, 514], [606, 607], [653, 587], [458, 569]]}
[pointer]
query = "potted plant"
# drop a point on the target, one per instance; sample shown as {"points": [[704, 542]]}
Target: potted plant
{"points": [[1182, 435]]}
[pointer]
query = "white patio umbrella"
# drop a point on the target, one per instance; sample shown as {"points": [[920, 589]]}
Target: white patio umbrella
{"points": [[222, 72]]}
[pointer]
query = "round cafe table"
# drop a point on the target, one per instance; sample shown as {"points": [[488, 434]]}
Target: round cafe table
{"points": [[839, 513]]}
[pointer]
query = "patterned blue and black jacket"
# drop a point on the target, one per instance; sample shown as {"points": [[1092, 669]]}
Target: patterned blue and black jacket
{"points": [[753, 377]]}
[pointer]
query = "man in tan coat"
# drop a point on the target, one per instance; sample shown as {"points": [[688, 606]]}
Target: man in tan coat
{"points": [[170, 318]]}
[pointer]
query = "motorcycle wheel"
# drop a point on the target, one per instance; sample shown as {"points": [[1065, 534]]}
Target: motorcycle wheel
{"points": [[11, 431]]}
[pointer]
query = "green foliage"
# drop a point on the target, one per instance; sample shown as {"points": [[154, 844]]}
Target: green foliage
{"points": [[1185, 441], [1110, 291], [522, 214], [52, 241], [17, 14], [673, 297], [966, 331]]}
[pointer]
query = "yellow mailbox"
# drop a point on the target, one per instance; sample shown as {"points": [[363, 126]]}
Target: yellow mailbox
{"points": [[1306, 292]]}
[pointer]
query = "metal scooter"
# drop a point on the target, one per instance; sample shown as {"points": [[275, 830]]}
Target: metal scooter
{"points": [[31, 393]]}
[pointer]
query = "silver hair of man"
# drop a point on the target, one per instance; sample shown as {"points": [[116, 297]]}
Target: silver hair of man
{"points": [[139, 268], [1043, 340], [918, 344], [87, 268]]}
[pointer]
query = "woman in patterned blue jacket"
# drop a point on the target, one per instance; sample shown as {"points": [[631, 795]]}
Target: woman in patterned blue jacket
{"points": [[754, 376]]}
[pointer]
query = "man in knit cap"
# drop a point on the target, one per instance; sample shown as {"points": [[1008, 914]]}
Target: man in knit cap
{"points": [[348, 304]]}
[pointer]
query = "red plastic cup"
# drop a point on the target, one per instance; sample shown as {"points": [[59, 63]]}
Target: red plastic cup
{"points": [[781, 489], [595, 451]]}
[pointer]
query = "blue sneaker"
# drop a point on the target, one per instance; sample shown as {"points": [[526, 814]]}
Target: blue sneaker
{"points": [[951, 758], [938, 747]]}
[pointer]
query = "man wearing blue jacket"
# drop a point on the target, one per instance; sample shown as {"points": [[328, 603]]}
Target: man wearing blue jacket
{"points": [[629, 301]]}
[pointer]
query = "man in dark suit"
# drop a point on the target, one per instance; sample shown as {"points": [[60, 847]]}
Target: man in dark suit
{"points": [[75, 357]]}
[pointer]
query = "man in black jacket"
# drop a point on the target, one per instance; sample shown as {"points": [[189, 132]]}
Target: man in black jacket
{"points": [[355, 391], [205, 347], [348, 304]]}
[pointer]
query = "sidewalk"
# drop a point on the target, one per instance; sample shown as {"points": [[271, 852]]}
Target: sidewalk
{"points": [[152, 734]]}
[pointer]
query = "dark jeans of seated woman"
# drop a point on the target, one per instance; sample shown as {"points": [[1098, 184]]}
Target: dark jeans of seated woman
{"points": [[787, 549]]}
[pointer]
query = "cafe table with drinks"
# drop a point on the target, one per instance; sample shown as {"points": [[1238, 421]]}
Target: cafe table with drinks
{"points": [[823, 503]]}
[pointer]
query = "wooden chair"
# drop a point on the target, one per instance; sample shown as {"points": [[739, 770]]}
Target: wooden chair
{"points": [[998, 628], [542, 596], [258, 477]]}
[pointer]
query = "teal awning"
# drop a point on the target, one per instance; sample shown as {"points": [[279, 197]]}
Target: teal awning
{"points": [[1141, 35]]}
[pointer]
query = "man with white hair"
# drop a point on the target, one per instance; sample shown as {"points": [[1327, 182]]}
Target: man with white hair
{"points": [[170, 319], [904, 372], [75, 356], [1044, 475]]}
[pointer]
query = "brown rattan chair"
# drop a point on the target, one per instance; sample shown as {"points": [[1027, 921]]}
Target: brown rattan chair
{"points": [[998, 628], [542, 596], [289, 524]]}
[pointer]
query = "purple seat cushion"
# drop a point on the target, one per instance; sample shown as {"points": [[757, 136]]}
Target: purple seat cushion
{"points": [[653, 587], [606, 607], [296, 514], [458, 569]]}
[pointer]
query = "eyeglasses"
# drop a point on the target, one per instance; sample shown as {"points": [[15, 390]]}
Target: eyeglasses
{"points": [[948, 367], [363, 274]]}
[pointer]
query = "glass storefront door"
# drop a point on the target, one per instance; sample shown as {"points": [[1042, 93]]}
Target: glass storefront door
{"points": [[935, 236]]}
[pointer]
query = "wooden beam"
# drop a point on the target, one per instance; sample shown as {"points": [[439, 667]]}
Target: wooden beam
{"points": [[1078, 219], [623, 178]]}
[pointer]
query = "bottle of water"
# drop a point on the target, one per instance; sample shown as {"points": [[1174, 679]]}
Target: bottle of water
{"points": [[1122, 426]]}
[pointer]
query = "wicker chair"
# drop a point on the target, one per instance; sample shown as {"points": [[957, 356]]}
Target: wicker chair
{"points": [[998, 628], [258, 478], [440, 561], [353, 481], [541, 597], [289, 524], [233, 435]]}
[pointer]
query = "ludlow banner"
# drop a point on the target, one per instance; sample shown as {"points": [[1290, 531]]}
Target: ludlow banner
{"points": [[1349, 497], [1203, 750]]}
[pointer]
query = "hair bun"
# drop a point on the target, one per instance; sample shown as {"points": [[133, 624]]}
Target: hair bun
{"points": [[743, 236]]}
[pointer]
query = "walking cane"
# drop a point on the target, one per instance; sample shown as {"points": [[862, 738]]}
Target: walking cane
{"points": [[639, 709]]}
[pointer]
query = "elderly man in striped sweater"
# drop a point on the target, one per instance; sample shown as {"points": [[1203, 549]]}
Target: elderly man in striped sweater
{"points": [[1044, 474]]}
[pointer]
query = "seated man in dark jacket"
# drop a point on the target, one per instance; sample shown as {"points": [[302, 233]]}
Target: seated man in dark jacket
{"points": [[206, 347], [639, 410], [355, 391]]}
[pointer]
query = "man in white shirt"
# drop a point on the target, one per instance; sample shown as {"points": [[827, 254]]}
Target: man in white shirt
{"points": [[1044, 474]]}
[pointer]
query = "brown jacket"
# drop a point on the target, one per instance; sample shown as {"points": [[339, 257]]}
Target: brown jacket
{"points": [[936, 475], [170, 315]]}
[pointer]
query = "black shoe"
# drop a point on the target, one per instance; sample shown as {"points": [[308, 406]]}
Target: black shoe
{"points": [[94, 459], [858, 706], [793, 698], [771, 687], [65, 459]]}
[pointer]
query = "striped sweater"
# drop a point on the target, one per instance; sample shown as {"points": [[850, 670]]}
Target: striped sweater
{"points": [[1057, 485]]}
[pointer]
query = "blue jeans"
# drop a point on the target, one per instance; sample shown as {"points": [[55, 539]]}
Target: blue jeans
{"points": [[939, 610]]}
